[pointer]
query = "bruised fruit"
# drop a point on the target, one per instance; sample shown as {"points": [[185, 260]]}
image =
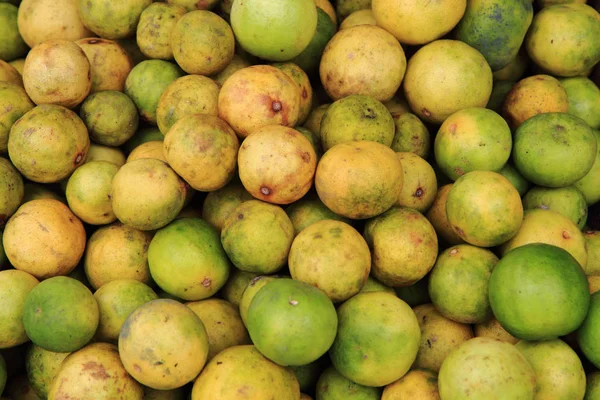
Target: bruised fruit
{"points": [[153, 32], [89, 192], [60, 314], [459, 282], [439, 336], [257, 237], [48, 143], [472, 139], [187, 260], [223, 324], [568, 201], [44, 238], [276, 164], [57, 72], [418, 384], [356, 117], [147, 194], [109, 62], [243, 369], [418, 22], [419, 186], [347, 64], [332, 256], [15, 285], [219, 203], [41, 20], [554, 149], [377, 341], [117, 251], [296, 74], [236, 63], [94, 369], [291, 26], [188, 95], [444, 77], [42, 366], [110, 116], [550, 227], [291, 322], [116, 300], [484, 208], [113, 20], [534, 95], [359, 179], [411, 135], [202, 43], [520, 298], [163, 344], [493, 329], [403, 246], [203, 150], [480, 369], [257, 96]]}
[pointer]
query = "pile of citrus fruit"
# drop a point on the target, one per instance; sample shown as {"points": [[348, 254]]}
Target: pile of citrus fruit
{"points": [[299, 199]]}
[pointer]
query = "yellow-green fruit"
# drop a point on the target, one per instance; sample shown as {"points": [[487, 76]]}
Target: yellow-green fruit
{"points": [[12, 190], [332, 256], [244, 370], [96, 369], [236, 63], [18, 64], [419, 186], [308, 210], [565, 39], [48, 143], [411, 135], [373, 285], [534, 95], [14, 103], [378, 339], [89, 192], [117, 251], [44, 238], [277, 164], [418, 22], [113, 20], [558, 369], [333, 385], [187, 260], [14, 287], [417, 384], [218, 204], [153, 32], [235, 287], [291, 25], [250, 291], [203, 150], [12, 45], [257, 96], [360, 17], [301, 79], [584, 99], [147, 194], [314, 119], [550, 227], [191, 5], [438, 218], [592, 239], [110, 116], [446, 76], [257, 237], [439, 336], [8, 73], [41, 20], [188, 95], [35, 191], [403, 246], [493, 330], [347, 64], [116, 300], [359, 179], [163, 344], [515, 69], [152, 149], [42, 366], [224, 326], [57, 72], [484, 208], [592, 385], [98, 152], [202, 43], [109, 62]]}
